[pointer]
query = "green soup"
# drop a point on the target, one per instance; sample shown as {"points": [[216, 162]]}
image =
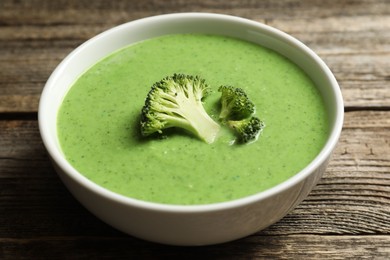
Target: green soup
{"points": [[98, 122]]}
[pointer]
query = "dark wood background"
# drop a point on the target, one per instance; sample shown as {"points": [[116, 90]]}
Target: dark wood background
{"points": [[347, 216]]}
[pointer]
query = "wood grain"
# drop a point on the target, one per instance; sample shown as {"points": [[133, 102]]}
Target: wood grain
{"points": [[346, 216], [254, 247]]}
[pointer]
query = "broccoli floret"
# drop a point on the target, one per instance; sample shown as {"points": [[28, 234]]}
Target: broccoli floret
{"points": [[236, 112], [235, 104], [247, 129], [176, 101]]}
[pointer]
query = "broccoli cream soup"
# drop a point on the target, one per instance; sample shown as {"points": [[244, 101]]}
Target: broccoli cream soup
{"points": [[98, 122]]}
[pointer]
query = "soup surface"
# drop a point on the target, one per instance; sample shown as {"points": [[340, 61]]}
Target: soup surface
{"points": [[98, 122]]}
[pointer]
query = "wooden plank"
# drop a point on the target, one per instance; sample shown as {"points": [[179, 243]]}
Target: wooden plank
{"points": [[352, 198], [254, 247], [352, 42], [74, 11]]}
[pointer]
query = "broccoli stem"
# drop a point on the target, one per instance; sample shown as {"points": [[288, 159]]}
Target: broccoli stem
{"points": [[197, 120]]}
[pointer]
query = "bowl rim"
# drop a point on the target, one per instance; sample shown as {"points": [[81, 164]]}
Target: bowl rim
{"points": [[321, 158]]}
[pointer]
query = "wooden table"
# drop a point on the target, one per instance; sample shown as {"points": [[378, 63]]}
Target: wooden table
{"points": [[346, 216]]}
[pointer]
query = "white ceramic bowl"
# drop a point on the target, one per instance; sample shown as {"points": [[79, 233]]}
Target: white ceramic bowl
{"points": [[201, 224]]}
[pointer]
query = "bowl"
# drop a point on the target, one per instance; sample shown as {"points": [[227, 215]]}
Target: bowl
{"points": [[197, 224]]}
